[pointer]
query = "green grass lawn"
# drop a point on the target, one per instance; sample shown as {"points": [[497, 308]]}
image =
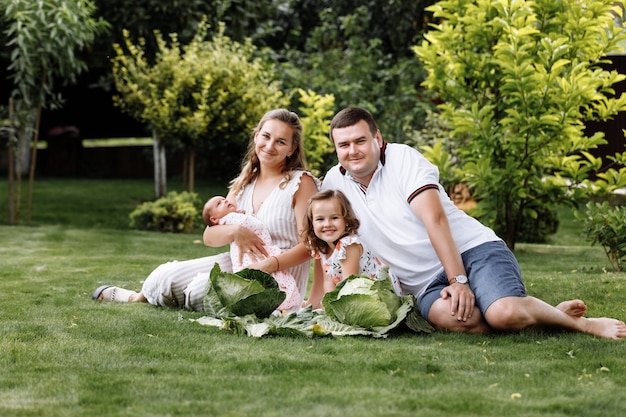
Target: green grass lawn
{"points": [[62, 354]]}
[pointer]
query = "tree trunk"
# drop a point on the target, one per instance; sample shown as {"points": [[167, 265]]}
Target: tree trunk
{"points": [[510, 226], [160, 166], [21, 159], [11, 167], [191, 169], [11, 175], [185, 170], [33, 163], [22, 155]]}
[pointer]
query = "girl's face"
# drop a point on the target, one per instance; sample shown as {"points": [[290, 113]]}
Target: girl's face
{"points": [[274, 143], [328, 222]]}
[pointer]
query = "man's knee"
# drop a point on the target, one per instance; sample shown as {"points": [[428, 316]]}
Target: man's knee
{"points": [[440, 318], [508, 314]]}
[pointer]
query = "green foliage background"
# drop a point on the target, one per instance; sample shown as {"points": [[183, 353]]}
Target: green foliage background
{"points": [[517, 81]]}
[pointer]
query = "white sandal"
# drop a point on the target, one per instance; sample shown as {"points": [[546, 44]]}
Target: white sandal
{"points": [[110, 293]]}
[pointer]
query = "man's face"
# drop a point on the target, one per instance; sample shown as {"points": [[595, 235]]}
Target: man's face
{"points": [[358, 151]]}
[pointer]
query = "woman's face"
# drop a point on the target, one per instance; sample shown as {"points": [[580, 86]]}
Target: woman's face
{"points": [[273, 143]]}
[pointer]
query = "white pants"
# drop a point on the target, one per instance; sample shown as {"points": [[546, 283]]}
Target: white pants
{"points": [[183, 283]]}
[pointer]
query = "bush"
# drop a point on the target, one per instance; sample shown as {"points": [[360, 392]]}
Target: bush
{"points": [[538, 229], [606, 225], [518, 81], [537, 222], [175, 213]]}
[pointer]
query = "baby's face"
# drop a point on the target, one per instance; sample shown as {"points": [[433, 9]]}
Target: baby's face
{"points": [[218, 207]]}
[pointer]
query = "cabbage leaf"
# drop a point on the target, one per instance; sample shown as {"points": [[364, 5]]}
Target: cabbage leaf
{"points": [[249, 291], [360, 301], [244, 302]]}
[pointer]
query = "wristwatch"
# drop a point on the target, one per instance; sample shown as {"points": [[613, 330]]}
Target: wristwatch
{"points": [[460, 279]]}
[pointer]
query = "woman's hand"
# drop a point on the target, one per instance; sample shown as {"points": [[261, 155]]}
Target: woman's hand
{"points": [[249, 243], [266, 265]]}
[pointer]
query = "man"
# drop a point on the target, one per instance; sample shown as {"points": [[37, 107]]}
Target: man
{"points": [[462, 275]]}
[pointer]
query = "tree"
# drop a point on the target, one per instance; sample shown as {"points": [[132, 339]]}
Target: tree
{"points": [[201, 92], [8, 131], [346, 49], [518, 79], [316, 113], [140, 18], [350, 52], [44, 38]]}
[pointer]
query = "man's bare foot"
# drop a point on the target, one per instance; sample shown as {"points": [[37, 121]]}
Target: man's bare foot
{"points": [[574, 308], [606, 327]]}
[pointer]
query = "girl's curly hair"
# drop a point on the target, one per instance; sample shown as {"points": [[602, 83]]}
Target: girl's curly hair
{"points": [[313, 243]]}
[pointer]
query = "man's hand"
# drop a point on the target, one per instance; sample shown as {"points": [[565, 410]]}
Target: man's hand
{"points": [[462, 300]]}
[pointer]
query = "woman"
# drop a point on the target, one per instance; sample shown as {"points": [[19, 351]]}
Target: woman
{"points": [[274, 186]]}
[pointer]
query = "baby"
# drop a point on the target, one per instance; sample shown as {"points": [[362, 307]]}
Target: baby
{"points": [[218, 210]]}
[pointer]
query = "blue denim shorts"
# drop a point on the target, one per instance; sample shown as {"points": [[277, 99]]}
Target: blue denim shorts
{"points": [[493, 273]]}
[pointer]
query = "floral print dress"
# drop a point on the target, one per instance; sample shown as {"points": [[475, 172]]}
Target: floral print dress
{"points": [[369, 265]]}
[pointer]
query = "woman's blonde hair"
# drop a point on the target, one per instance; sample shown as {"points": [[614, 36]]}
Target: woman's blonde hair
{"points": [[314, 243], [250, 166]]}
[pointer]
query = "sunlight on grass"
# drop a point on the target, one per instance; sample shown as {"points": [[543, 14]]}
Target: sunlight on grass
{"points": [[98, 143]]}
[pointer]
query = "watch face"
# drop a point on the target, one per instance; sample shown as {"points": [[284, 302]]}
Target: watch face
{"points": [[461, 279]]}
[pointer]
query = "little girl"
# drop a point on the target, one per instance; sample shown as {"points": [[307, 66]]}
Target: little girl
{"points": [[330, 233]]}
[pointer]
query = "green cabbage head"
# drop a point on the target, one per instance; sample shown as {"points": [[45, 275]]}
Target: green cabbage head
{"points": [[363, 302], [249, 291]]}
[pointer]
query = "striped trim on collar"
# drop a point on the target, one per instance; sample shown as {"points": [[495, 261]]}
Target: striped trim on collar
{"points": [[383, 158]]}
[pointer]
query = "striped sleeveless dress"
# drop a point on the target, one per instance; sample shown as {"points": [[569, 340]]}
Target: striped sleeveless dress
{"points": [[278, 215]]}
